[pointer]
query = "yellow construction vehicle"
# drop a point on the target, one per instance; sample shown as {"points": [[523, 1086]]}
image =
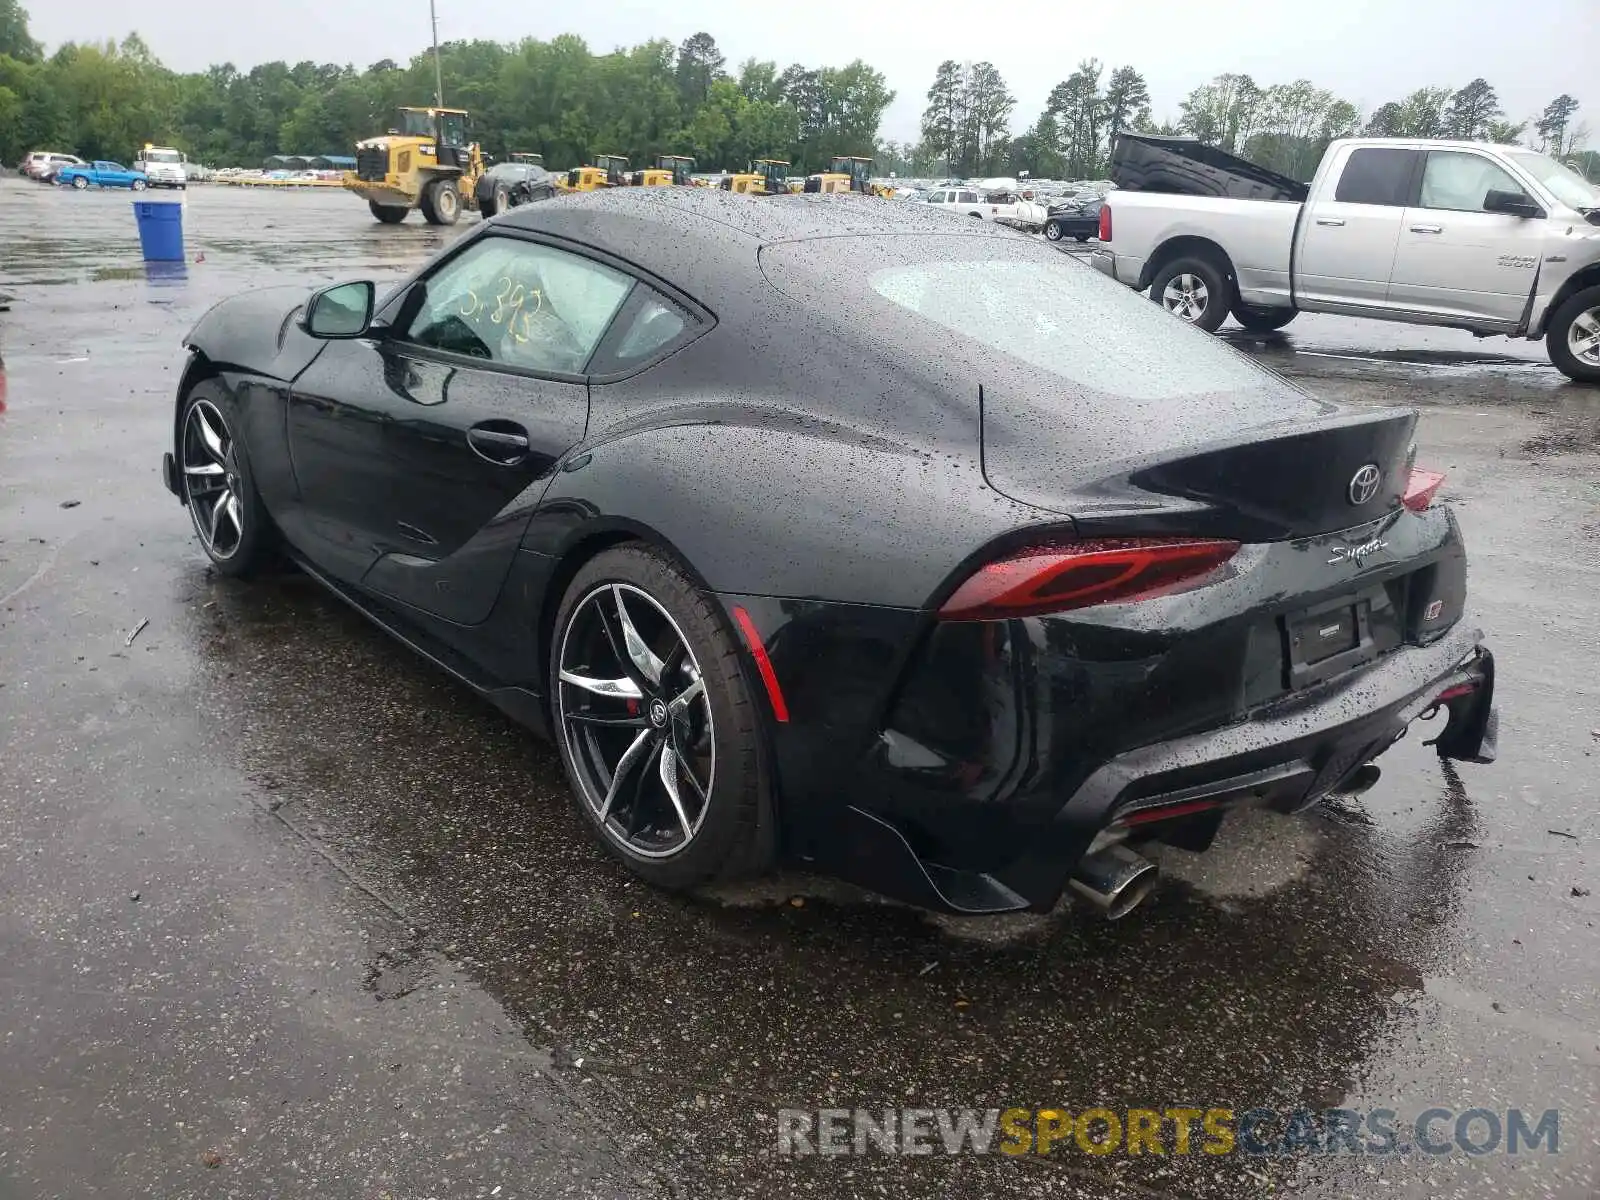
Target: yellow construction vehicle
{"points": [[608, 170], [669, 169], [766, 177], [531, 160], [846, 173], [426, 161]]}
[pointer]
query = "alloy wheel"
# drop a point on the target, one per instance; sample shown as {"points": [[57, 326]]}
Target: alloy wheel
{"points": [[1186, 296], [211, 480], [1583, 337], [636, 721]]}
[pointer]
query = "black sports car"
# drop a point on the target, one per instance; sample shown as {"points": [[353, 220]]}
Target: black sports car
{"points": [[1078, 219], [510, 185], [818, 528]]}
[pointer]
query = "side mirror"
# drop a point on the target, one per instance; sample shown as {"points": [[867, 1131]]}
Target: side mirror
{"points": [[1511, 204], [341, 311]]}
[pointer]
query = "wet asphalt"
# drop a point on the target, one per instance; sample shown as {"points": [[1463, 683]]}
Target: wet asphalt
{"points": [[284, 911]]}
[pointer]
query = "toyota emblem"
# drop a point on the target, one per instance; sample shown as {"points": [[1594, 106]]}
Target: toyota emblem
{"points": [[1364, 484]]}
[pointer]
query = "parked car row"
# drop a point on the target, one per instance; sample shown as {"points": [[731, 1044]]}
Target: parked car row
{"points": [[43, 164], [68, 170]]}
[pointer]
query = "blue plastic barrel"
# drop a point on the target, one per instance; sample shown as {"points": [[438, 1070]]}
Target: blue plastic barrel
{"points": [[160, 230]]}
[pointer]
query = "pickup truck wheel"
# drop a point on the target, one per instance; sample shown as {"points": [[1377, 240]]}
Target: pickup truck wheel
{"points": [[1263, 320], [1573, 339], [1194, 290]]}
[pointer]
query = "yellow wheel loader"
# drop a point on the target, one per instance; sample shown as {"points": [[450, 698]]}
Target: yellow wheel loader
{"points": [[766, 177], [608, 170], [669, 169], [846, 173], [426, 161]]}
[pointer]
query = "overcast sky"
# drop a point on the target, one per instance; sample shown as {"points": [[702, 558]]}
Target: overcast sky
{"points": [[1367, 51]]}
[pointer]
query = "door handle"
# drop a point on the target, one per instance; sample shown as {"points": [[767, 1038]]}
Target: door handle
{"points": [[1330, 220], [1427, 229], [499, 442]]}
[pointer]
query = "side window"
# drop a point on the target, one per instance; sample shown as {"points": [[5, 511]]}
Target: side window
{"points": [[520, 304], [1459, 181], [649, 325], [969, 197], [1377, 175]]}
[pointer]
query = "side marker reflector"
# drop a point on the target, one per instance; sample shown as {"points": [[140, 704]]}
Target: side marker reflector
{"points": [[758, 651]]}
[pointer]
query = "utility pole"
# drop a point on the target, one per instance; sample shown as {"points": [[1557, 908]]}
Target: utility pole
{"points": [[438, 74]]}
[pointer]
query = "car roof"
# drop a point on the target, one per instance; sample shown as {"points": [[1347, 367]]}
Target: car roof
{"points": [[674, 231]]}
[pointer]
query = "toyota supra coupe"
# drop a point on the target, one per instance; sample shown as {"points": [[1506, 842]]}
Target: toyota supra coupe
{"points": [[830, 530]]}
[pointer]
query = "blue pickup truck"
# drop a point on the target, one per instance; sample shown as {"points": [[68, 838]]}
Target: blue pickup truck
{"points": [[102, 174]]}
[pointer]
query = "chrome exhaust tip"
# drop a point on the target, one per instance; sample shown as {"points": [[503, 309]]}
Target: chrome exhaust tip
{"points": [[1115, 880]]}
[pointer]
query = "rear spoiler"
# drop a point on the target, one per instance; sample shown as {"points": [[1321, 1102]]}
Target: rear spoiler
{"points": [[1184, 166]]}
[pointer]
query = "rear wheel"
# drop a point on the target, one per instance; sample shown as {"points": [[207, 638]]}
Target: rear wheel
{"points": [[655, 724], [441, 202], [1573, 339], [1260, 319], [137, 185], [1193, 290], [1081, 237], [218, 486], [389, 214]]}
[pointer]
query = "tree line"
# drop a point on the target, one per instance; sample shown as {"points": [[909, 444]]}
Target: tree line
{"points": [[560, 99], [1283, 126], [557, 98]]}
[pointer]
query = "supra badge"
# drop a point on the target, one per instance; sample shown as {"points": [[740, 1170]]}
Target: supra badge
{"points": [[1364, 484], [1357, 554]]}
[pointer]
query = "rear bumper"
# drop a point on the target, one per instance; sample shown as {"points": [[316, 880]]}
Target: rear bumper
{"points": [[1124, 268], [1289, 757]]}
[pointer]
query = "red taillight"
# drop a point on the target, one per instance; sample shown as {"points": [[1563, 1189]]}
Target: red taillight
{"points": [[1105, 223], [1421, 487], [1069, 575], [1455, 692]]}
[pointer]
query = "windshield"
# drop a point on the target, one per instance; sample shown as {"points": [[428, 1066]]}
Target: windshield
{"points": [[163, 156], [1561, 181], [415, 124]]}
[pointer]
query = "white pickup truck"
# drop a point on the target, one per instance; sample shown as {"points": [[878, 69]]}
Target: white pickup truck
{"points": [[1492, 239]]}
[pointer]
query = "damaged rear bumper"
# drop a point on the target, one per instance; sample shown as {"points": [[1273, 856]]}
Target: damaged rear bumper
{"points": [[1288, 756]]}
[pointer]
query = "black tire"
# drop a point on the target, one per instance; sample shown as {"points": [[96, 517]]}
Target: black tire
{"points": [[1080, 238], [1208, 305], [389, 214], [1585, 305], [80, 182], [733, 837], [256, 538], [1053, 230], [137, 185], [441, 202], [1263, 320]]}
